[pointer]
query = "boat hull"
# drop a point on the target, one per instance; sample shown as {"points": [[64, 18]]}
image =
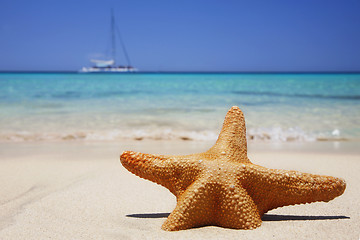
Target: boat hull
{"points": [[108, 70]]}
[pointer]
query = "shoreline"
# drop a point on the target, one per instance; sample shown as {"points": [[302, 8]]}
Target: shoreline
{"points": [[186, 146], [80, 190], [269, 135]]}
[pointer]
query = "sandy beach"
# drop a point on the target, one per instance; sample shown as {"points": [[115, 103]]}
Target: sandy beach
{"points": [[78, 190]]}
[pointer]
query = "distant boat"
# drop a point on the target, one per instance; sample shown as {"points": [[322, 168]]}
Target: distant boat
{"points": [[110, 66]]}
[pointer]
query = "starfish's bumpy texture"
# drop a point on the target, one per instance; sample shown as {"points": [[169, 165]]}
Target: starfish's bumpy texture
{"points": [[222, 187]]}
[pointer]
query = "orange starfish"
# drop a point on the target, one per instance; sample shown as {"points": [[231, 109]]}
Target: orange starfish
{"points": [[222, 187]]}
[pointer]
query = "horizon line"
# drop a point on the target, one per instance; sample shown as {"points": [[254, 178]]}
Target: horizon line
{"points": [[187, 72]]}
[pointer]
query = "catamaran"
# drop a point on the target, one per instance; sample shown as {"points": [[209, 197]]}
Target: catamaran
{"points": [[110, 66]]}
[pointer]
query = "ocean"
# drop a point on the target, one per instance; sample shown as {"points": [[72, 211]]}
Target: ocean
{"points": [[173, 106]]}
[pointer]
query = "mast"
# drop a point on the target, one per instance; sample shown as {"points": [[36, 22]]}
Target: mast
{"points": [[123, 47], [113, 42], [114, 28]]}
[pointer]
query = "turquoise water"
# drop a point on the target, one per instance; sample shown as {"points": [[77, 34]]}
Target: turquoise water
{"points": [[277, 107]]}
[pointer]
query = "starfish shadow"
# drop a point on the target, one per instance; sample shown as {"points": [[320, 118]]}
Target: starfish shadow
{"points": [[148, 215], [266, 217], [276, 217]]}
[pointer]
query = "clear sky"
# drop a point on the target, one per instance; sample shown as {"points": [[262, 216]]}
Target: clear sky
{"points": [[186, 35]]}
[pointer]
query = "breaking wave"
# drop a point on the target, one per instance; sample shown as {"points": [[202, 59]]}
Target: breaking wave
{"points": [[275, 134], [298, 95]]}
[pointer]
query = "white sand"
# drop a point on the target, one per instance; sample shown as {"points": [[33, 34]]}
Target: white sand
{"points": [[81, 191]]}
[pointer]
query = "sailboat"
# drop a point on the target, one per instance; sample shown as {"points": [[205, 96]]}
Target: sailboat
{"points": [[110, 66]]}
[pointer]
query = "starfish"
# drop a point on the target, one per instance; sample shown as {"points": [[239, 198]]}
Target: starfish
{"points": [[222, 187]]}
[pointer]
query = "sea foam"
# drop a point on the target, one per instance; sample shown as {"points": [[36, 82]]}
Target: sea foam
{"points": [[275, 134]]}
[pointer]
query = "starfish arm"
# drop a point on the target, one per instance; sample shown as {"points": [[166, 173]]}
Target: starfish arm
{"points": [[237, 209], [175, 173], [209, 203], [232, 138], [271, 188], [194, 208]]}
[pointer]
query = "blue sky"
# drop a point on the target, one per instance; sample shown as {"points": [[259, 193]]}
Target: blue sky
{"points": [[194, 35]]}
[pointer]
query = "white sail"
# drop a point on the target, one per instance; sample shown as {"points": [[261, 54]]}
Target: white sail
{"points": [[102, 63]]}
